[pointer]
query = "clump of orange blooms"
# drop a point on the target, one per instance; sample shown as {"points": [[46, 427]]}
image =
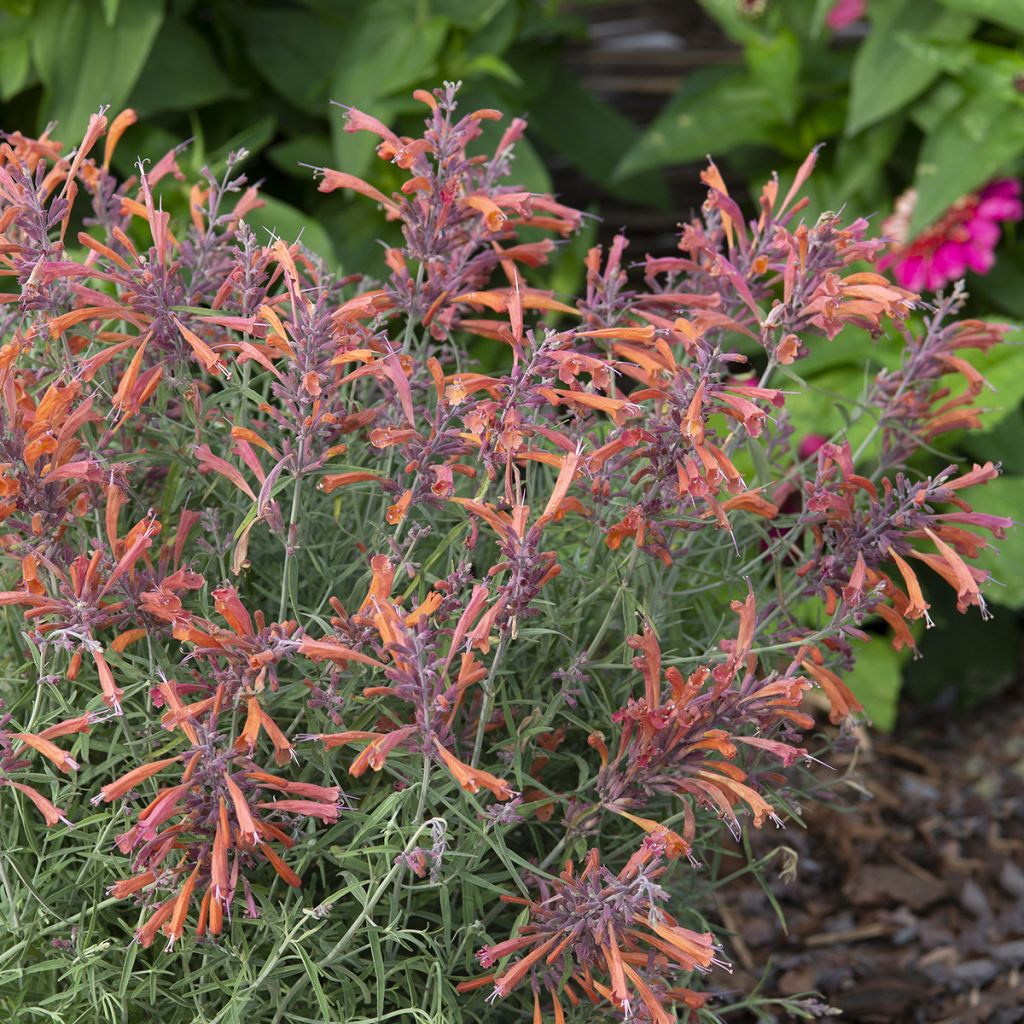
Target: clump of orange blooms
{"points": [[277, 519]]}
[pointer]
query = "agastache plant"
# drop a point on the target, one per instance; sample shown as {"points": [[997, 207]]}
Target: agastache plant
{"points": [[381, 588]]}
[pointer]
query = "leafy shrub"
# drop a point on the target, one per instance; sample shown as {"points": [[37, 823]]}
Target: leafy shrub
{"points": [[258, 75], [305, 597], [952, 69]]}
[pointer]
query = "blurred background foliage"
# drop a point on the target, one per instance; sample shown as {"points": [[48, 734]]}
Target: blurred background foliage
{"points": [[624, 102]]}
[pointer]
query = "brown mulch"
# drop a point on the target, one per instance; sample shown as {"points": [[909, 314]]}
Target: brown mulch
{"points": [[905, 899]]}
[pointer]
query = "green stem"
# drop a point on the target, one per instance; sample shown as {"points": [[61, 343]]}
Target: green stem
{"points": [[626, 574], [361, 918], [15, 920], [289, 530], [487, 707]]}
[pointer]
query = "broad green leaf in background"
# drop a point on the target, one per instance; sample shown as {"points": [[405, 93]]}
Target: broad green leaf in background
{"points": [[252, 139], [774, 62], [713, 112], [1003, 444], [182, 57], [932, 109], [1009, 13], [280, 220], [1005, 559], [296, 51], [84, 62], [491, 66], [591, 135], [1003, 368], [976, 142], [860, 166], [17, 8], [886, 75], [981, 67], [15, 65], [471, 15], [496, 35], [1001, 286], [877, 679], [311, 150], [852, 347], [389, 48]]}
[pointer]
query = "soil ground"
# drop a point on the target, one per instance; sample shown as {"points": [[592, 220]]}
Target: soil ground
{"points": [[907, 903]]}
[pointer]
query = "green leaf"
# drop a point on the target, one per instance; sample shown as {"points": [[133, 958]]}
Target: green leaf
{"points": [[253, 138], [876, 681], [15, 62], [468, 14], [931, 110], [775, 63], [590, 134], [312, 150], [740, 27], [886, 74], [1003, 368], [982, 67], [861, 165], [284, 221], [296, 51], [490, 65], [84, 62], [1009, 13], [364, 79], [969, 147], [314, 980], [1005, 559], [828, 404], [528, 170], [181, 48], [1000, 287], [110, 11], [714, 111], [1003, 444], [497, 35]]}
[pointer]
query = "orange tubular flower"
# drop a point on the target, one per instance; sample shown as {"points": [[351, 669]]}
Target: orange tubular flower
{"points": [[248, 833], [48, 749], [672, 842], [473, 778], [597, 923], [130, 779], [50, 811]]}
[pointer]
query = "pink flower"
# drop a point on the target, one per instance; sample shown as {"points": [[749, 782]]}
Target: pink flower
{"points": [[963, 239], [810, 444], [845, 12]]}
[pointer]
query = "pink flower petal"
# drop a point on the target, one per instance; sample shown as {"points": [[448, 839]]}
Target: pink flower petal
{"points": [[910, 273], [999, 207], [845, 12], [979, 258], [950, 261], [983, 232]]}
